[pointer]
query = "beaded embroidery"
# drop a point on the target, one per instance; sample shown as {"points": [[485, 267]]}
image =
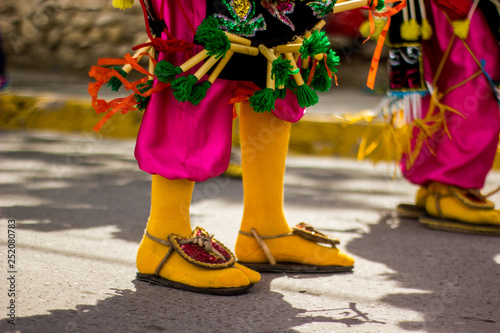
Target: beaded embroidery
{"points": [[242, 23], [322, 7], [279, 9]]}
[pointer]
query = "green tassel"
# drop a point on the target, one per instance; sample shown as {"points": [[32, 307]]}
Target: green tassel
{"points": [[142, 101], [263, 100], [321, 81], [306, 96], [199, 92], [213, 39], [166, 72], [183, 86], [280, 93], [114, 83], [281, 71], [291, 84], [380, 5], [332, 60], [316, 44]]}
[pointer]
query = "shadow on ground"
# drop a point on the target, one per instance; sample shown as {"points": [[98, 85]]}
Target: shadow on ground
{"points": [[454, 276]]}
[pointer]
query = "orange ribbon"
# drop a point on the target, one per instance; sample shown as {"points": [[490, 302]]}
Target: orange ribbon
{"points": [[381, 39]]}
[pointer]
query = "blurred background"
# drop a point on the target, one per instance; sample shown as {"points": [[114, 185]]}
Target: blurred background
{"points": [[67, 37]]}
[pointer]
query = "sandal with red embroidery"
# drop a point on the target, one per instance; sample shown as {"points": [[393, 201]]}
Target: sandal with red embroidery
{"points": [[201, 250]]}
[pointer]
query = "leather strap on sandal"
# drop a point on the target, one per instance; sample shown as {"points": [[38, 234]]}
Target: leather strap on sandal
{"points": [[302, 229]]}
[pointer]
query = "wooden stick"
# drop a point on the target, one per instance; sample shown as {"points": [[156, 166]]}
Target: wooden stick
{"points": [[269, 80], [298, 76], [348, 5], [196, 59], [128, 68], [237, 39], [288, 48], [248, 50], [267, 53], [319, 25], [206, 67], [220, 66], [151, 64]]}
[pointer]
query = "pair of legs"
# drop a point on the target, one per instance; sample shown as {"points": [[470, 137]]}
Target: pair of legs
{"points": [[264, 144]]}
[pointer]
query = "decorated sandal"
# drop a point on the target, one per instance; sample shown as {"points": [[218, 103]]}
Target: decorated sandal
{"points": [[470, 201], [305, 231], [201, 250]]}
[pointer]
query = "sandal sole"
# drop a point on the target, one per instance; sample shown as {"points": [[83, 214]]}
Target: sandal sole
{"points": [[459, 227], [409, 211], [294, 268], [233, 291]]}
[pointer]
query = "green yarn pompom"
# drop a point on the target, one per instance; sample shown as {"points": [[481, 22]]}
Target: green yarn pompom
{"points": [[142, 102], [332, 60], [183, 86], [280, 93], [281, 71], [263, 100], [213, 39], [317, 43], [321, 81], [380, 5], [114, 83], [306, 96], [166, 72], [199, 92]]}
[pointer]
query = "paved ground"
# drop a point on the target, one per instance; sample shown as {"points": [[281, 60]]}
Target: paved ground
{"points": [[80, 206]]}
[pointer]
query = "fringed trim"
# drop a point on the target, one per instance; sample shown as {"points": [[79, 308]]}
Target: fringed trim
{"points": [[141, 89], [405, 132]]}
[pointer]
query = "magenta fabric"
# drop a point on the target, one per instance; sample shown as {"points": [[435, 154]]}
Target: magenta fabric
{"points": [[466, 158], [179, 140]]}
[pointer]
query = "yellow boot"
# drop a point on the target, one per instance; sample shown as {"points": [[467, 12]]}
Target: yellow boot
{"points": [[266, 242], [463, 210], [172, 255]]}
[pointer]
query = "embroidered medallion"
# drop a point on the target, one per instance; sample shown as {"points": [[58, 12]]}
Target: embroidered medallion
{"points": [[243, 23], [202, 250], [279, 9], [321, 8]]}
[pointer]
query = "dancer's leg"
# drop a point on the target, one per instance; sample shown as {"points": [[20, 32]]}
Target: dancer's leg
{"points": [[264, 144]]}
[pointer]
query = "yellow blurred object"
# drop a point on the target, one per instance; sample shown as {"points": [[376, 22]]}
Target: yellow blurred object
{"points": [[123, 4], [364, 28], [426, 30], [461, 28], [410, 30]]}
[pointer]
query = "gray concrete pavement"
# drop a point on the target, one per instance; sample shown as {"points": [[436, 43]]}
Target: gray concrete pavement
{"points": [[80, 205]]}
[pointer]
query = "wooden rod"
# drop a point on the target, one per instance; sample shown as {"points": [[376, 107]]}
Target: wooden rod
{"points": [[348, 5], [248, 50], [206, 67], [196, 59], [220, 66], [298, 76], [237, 39]]}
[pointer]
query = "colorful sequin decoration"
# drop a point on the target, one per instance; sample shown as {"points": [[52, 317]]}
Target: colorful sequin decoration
{"points": [[279, 9], [321, 8], [242, 23]]}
